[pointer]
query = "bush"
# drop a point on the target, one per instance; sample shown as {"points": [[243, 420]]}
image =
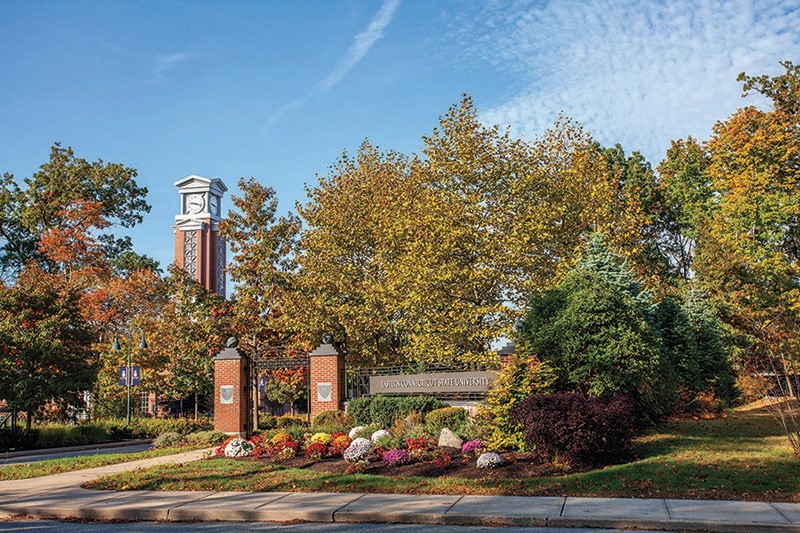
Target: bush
{"points": [[152, 427], [573, 428], [384, 410], [359, 410], [20, 440], [452, 418], [420, 404], [332, 418], [267, 422], [167, 440], [517, 380], [287, 421], [203, 438]]}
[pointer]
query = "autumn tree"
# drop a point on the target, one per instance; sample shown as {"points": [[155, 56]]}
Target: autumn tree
{"points": [[54, 236], [261, 263], [747, 230], [430, 257], [45, 343], [50, 198]]}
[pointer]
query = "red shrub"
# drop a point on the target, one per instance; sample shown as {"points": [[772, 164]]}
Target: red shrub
{"points": [[418, 444], [571, 427], [441, 460], [316, 450]]}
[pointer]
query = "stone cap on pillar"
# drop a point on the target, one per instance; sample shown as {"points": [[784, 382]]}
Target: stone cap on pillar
{"points": [[509, 349], [230, 351], [326, 348]]}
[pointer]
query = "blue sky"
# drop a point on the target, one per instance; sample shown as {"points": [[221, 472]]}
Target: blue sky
{"points": [[276, 90]]}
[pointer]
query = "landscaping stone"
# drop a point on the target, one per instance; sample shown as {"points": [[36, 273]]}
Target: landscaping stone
{"points": [[449, 439]]}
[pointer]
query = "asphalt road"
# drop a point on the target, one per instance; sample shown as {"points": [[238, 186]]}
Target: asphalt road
{"points": [[226, 527], [74, 453]]}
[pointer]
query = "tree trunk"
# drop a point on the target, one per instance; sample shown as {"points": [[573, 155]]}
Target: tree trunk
{"points": [[28, 416], [196, 409]]}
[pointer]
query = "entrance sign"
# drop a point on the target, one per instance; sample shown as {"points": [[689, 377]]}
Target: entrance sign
{"points": [[441, 382]]}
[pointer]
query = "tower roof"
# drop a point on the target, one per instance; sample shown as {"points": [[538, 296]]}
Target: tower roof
{"points": [[199, 183]]}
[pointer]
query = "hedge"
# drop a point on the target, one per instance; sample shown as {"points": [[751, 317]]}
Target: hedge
{"points": [[384, 410]]}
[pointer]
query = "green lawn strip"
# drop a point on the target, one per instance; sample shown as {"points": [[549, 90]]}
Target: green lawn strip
{"points": [[742, 458], [69, 464]]}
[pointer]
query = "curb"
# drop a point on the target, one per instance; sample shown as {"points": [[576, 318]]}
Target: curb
{"points": [[45, 451], [176, 506]]}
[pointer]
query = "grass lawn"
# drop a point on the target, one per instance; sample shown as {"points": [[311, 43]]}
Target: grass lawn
{"points": [[743, 457], [68, 464]]}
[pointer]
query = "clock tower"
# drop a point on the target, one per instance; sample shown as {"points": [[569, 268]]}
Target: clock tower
{"points": [[198, 248]]}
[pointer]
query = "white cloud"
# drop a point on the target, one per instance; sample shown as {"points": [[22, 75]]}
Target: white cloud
{"points": [[362, 43], [638, 73], [166, 62]]}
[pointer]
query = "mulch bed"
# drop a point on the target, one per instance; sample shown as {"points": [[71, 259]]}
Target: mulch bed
{"points": [[517, 465]]}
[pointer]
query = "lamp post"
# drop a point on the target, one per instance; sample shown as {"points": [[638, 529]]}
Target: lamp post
{"points": [[128, 377]]}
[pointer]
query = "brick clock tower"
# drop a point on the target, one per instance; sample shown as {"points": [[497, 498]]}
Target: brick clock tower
{"points": [[198, 249]]}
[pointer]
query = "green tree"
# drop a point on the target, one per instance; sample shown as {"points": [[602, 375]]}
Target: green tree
{"points": [[517, 380], [191, 332], [686, 189], [45, 343]]}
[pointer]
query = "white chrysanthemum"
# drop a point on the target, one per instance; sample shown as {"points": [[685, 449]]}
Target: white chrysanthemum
{"points": [[357, 451], [490, 460], [354, 431], [238, 447], [379, 435]]}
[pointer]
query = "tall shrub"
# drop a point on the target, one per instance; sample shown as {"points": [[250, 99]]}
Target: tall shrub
{"points": [[596, 339], [517, 380]]}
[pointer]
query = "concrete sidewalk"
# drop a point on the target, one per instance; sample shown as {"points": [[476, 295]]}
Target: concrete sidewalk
{"points": [[60, 496]]}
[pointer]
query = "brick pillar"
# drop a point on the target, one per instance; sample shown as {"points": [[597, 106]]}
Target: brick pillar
{"points": [[327, 381], [505, 353], [231, 398]]}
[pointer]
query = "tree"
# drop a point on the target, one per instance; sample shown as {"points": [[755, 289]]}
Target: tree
{"points": [[747, 243], [45, 343], [686, 189], [595, 329], [50, 199], [192, 331], [261, 245], [287, 385], [430, 257], [55, 244]]}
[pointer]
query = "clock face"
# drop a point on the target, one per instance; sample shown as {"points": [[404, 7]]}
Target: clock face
{"points": [[213, 205], [195, 203]]}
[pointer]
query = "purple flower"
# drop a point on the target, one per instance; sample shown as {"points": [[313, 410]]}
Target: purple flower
{"points": [[472, 446], [395, 458]]}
